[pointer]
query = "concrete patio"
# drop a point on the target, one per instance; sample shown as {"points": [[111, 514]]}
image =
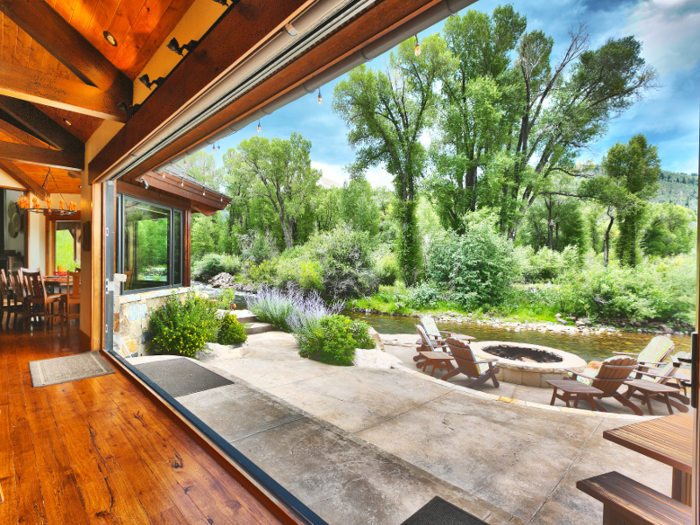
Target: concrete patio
{"points": [[361, 445]]}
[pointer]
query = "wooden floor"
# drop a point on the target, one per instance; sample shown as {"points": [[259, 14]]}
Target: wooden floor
{"points": [[99, 451]]}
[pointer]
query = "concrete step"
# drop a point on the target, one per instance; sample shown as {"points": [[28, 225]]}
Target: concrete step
{"points": [[258, 328], [243, 316]]}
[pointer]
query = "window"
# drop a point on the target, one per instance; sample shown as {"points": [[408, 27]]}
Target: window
{"points": [[67, 245], [149, 245]]}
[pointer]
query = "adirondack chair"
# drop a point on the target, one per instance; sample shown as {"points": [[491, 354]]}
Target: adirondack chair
{"points": [[664, 375], [436, 334], [432, 353], [654, 354], [611, 375], [467, 363]]}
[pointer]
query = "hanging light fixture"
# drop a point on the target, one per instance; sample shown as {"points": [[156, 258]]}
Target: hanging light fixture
{"points": [[218, 146], [259, 126], [320, 100], [203, 192], [182, 183], [416, 49], [35, 207], [213, 148]]}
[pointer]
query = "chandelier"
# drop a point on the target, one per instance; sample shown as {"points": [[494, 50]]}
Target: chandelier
{"points": [[64, 207]]}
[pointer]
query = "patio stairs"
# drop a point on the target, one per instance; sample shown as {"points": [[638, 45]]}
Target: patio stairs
{"points": [[251, 321]]}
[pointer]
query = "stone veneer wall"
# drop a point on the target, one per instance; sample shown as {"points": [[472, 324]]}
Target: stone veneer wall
{"points": [[131, 316]]}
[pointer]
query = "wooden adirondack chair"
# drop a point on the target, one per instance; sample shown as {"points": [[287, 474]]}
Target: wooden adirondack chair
{"points": [[610, 377], [655, 353], [432, 353], [468, 364], [438, 335], [664, 375]]}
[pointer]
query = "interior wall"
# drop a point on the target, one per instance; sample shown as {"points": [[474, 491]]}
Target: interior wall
{"points": [[8, 182], [37, 242], [16, 243]]}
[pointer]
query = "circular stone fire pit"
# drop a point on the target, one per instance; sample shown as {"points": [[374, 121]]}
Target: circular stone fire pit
{"points": [[530, 365]]}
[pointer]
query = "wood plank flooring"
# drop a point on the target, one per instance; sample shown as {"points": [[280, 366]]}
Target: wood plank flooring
{"points": [[98, 451]]}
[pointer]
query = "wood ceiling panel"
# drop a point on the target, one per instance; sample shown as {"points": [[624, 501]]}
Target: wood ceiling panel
{"points": [[65, 183], [83, 126]]}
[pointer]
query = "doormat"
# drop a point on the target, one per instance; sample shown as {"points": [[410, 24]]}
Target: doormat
{"points": [[70, 368], [437, 510], [181, 377]]}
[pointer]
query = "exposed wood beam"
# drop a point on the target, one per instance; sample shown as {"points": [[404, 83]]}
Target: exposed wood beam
{"points": [[21, 177], [41, 156], [41, 124], [35, 86], [11, 126], [187, 190], [52, 32], [240, 29], [142, 193]]}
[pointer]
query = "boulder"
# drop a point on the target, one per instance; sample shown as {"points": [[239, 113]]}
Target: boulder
{"points": [[665, 329], [375, 359], [377, 338]]}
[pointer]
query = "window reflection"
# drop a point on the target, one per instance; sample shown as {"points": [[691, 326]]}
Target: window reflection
{"points": [[146, 245]]}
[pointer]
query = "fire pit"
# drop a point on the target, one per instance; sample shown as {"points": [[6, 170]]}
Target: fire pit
{"points": [[530, 365]]}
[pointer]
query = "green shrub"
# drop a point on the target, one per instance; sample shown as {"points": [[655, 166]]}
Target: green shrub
{"points": [[182, 327], [425, 295], [264, 273], [231, 332], [335, 340], [477, 267], [213, 264], [547, 264], [224, 300], [299, 272], [386, 267]]}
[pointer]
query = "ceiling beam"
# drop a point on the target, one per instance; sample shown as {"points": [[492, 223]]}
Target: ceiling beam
{"points": [[240, 29], [24, 179], [142, 193], [41, 124], [13, 128], [35, 86], [41, 156], [52, 32], [187, 190]]}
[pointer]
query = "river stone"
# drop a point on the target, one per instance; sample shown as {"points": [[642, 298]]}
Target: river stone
{"points": [[374, 359], [377, 338]]}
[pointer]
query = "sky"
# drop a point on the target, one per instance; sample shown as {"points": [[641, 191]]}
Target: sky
{"points": [[669, 117]]}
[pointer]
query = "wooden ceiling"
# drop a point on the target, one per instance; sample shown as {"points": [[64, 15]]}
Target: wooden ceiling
{"points": [[54, 57]]}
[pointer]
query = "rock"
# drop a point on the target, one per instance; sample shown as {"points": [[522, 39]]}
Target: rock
{"points": [[375, 359], [377, 338], [580, 323], [665, 329], [557, 315], [214, 351]]}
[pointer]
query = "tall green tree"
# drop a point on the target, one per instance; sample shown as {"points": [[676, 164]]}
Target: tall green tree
{"points": [[279, 172], [387, 112], [478, 107], [359, 210], [669, 231], [202, 166]]}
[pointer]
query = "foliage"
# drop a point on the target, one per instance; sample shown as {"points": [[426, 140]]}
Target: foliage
{"points": [[669, 231], [335, 340], [181, 327], [231, 332], [359, 210], [265, 272], [66, 253], [213, 264], [546, 264], [225, 298], [256, 247], [425, 295], [300, 272], [290, 308], [476, 267], [386, 267]]}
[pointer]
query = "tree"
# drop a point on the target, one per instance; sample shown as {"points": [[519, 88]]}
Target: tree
{"points": [[477, 107], [387, 113], [669, 231], [327, 207], [279, 172], [202, 236], [202, 166], [359, 210]]}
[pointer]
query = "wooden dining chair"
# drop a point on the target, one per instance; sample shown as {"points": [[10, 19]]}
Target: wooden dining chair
{"points": [[4, 295], [38, 302], [71, 299], [19, 295]]}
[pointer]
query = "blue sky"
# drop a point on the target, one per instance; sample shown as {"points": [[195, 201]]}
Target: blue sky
{"points": [[668, 29]]}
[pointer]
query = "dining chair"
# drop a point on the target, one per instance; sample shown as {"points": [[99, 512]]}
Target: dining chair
{"points": [[4, 295], [19, 296], [71, 298], [38, 302]]}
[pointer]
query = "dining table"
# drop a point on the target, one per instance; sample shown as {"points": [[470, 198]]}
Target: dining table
{"points": [[666, 439]]}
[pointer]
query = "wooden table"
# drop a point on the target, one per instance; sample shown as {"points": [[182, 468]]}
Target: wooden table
{"points": [[439, 360], [666, 439], [574, 391], [649, 389]]}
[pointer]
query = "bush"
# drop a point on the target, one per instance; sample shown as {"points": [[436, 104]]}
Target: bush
{"points": [[386, 267], [299, 273], [264, 273], [345, 259], [477, 267], [547, 264], [231, 332], [182, 327], [225, 298], [274, 306], [335, 340], [256, 247], [214, 263], [425, 295]]}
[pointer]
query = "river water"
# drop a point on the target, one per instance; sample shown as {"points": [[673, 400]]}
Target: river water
{"points": [[591, 347]]}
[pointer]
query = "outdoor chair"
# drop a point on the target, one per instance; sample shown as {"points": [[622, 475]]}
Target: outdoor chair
{"points": [[438, 335], [71, 299], [38, 302], [481, 370], [610, 377], [665, 375], [432, 353], [654, 354]]}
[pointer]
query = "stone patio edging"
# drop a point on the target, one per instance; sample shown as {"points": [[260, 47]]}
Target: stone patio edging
{"points": [[491, 397]]}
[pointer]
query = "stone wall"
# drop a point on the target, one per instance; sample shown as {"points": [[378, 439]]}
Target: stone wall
{"points": [[131, 317]]}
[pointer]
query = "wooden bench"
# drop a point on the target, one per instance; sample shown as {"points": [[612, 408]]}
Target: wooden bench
{"points": [[629, 502]]}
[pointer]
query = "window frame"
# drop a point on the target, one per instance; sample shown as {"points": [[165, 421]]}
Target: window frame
{"points": [[119, 248]]}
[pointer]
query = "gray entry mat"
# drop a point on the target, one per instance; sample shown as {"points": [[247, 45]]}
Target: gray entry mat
{"points": [[181, 377], [437, 510], [70, 368]]}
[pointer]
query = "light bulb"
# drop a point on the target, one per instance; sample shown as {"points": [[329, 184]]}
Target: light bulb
{"points": [[204, 192], [259, 127], [320, 100], [416, 49], [213, 148], [182, 182]]}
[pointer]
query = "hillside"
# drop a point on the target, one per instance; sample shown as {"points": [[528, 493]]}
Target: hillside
{"points": [[678, 188]]}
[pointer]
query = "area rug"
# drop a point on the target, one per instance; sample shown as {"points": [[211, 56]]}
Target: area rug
{"points": [[70, 368], [181, 377], [437, 510]]}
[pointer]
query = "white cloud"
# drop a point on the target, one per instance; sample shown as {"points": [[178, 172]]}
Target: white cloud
{"points": [[335, 175], [670, 32]]}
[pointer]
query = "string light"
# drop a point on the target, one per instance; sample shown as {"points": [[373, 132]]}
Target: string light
{"points": [[213, 148], [218, 146], [320, 100], [204, 192], [259, 126], [416, 49], [182, 182]]}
